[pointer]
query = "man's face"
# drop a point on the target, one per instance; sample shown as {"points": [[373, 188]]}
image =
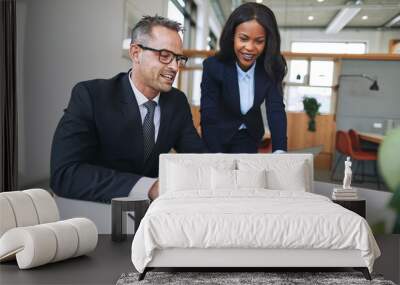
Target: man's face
{"points": [[151, 74]]}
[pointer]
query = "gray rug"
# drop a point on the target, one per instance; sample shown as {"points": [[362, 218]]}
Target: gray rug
{"points": [[243, 278]]}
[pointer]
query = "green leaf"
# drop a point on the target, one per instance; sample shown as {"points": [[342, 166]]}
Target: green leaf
{"points": [[395, 201], [389, 159], [311, 107], [378, 228]]}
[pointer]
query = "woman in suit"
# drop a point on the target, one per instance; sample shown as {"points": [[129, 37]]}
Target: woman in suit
{"points": [[247, 71]]}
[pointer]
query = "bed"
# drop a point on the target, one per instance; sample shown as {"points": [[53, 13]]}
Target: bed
{"points": [[247, 210]]}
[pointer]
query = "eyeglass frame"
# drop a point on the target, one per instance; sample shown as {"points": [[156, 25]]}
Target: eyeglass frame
{"points": [[180, 58]]}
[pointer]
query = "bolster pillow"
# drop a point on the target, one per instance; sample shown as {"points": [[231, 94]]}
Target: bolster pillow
{"points": [[26, 208], [40, 244]]}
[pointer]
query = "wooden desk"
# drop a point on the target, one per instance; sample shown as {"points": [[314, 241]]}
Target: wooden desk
{"points": [[371, 137]]}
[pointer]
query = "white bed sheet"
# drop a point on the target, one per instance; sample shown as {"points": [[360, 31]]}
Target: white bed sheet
{"points": [[252, 218]]}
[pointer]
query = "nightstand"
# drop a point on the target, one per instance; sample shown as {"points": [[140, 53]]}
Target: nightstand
{"points": [[357, 206], [118, 208]]}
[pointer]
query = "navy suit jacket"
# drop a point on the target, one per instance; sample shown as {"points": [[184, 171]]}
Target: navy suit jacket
{"points": [[220, 106], [97, 152]]}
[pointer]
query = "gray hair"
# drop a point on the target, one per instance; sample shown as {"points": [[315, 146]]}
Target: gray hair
{"points": [[142, 30]]}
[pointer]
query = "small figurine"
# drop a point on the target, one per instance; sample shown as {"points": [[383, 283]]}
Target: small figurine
{"points": [[347, 174]]}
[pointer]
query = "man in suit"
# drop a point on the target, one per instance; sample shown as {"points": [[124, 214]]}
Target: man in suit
{"points": [[109, 139]]}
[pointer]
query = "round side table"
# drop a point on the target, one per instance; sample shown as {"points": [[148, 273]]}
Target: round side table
{"points": [[118, 217]]}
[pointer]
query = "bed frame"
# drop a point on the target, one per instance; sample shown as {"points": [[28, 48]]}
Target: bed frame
{"points": [[242, 259]]}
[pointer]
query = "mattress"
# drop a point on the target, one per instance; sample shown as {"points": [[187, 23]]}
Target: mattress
{"points": [[250, 219]]}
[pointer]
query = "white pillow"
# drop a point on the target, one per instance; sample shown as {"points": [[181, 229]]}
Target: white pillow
{"points": [[291, 180], [184, 175], [251, 178], [282, 174], [183, 178], [237, 179], [223, 179]]}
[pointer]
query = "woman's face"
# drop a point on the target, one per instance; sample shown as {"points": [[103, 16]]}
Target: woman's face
{"points": [[249, 42]]}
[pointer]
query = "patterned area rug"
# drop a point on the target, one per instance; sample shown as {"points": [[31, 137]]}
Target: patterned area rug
{"points": [[242, 278]]}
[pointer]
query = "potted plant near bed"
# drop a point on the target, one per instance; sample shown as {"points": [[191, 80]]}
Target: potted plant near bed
{"points": [[311, 107], [389, 165]]}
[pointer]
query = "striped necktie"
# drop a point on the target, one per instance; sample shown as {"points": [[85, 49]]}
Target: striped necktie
{"points": [[149, 128]]}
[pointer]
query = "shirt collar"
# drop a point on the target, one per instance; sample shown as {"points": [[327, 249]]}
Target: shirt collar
{"points": [[140, 98], [245, 74]]}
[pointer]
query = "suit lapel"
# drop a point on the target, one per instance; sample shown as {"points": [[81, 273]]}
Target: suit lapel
{"points": [[260, 84], [232, 97], [165, 117], [133, 120]]}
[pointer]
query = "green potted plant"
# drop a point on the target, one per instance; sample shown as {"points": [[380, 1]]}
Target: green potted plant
{"points": [[311, 107], [389, 166]]}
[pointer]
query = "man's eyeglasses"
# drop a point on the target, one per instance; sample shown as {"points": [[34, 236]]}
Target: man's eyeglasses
{"points": [[165, 56]]}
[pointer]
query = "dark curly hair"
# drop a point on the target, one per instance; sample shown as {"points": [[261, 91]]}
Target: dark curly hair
{"points": [[272, 59]]}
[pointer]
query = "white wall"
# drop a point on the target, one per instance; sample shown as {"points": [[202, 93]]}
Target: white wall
{"points": [[60, 43], [377, 41]]}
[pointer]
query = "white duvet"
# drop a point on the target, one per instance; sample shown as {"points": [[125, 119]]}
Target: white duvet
{"points": [[252, 218]]}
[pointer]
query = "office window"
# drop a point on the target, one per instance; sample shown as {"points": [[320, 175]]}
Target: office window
{"points": [[313, 77], [321, 73], [315, 72], [295, 94], [310, 78], [212, 41], [184, 12], [175, 13], [298, 70]]}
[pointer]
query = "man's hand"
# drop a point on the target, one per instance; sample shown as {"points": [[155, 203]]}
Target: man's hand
{"points": [[153, 192]]}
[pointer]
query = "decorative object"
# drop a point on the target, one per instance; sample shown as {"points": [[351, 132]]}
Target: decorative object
{"points": [[374, 86], [31, 233], [347, 174], [346, 192], [247, 278], [311, 107], [389, 166]]}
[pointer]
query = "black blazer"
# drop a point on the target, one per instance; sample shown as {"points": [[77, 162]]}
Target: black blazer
{"points": [[220, 106], [97, 150]]}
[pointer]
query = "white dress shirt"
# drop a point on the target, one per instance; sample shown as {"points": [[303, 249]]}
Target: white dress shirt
{"points": [[246, 89], [141, 100], [246, 93], [141, 189]]}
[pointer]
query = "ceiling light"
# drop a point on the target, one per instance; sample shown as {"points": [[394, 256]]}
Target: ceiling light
{"points": [[365, 17], [310, 18], [320, 1], [342, 18], [393, 21], [259, 1]]}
